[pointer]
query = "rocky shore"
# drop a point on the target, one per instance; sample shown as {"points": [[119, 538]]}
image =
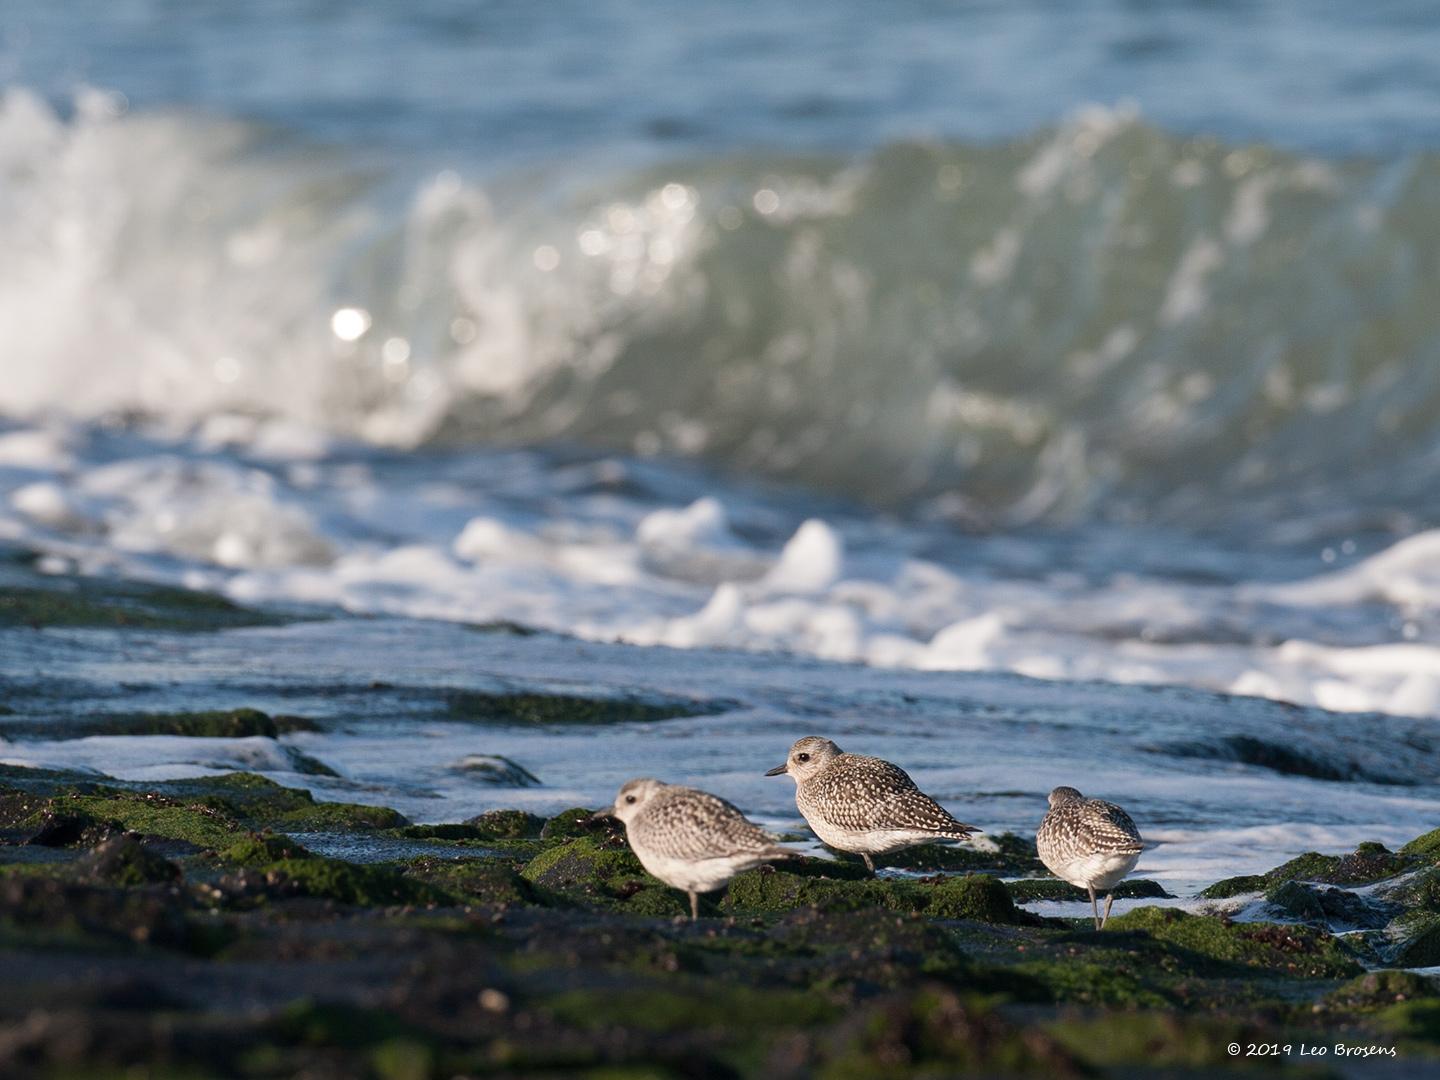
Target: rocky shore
{"points": [[206, 928]]}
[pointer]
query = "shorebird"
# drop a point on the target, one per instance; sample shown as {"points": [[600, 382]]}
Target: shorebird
{"points": [[862, 804], [690, 839], [1090, 843]]}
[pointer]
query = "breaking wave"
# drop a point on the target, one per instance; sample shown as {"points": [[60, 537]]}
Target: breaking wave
{"points": [[1099, 320]]}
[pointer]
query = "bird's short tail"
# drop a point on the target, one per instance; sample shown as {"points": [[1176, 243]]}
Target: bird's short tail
{"points": [[956, 832]]}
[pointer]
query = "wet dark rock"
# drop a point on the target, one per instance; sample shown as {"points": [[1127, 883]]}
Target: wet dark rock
{"points": [[1368, 863], [1420, 945], [1328, 906], [61, 829], [1280, 758], [213, 724], [506, 954], [496, 771]]}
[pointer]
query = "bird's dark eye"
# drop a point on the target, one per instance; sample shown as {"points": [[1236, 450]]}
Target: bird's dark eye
{"points": [[802, 757], [629, 798]]}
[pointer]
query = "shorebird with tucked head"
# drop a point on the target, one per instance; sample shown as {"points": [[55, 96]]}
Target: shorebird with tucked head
{"points": [[1090, 843], [690, 839], [863, 805]]}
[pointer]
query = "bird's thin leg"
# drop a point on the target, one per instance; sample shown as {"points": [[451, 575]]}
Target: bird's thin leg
{"points": [[1094, 910], [869, 865], [694, 905], [1109, 899]]}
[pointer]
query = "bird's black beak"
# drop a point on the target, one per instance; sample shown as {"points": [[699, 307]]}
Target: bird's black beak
{"points": [[778, 770], [597, 818]]}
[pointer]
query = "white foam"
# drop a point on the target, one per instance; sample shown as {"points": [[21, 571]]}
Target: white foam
{"points": [[490, 536]]}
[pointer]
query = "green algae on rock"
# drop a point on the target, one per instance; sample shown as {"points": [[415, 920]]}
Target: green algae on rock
{"points": [[96, 602], [771, 890], [1378, 989], [124, 860], [209, 812], [1368, 863], [1293, 951], [1014, 856], [506, 824], [237, 723], [1031, 890], [1427, 845], [540, 709], [485, 882]]}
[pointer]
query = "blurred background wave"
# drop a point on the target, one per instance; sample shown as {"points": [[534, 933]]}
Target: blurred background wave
{"points": [[901, 264]]}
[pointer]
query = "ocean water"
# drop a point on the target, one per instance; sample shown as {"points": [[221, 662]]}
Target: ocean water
{"points": [[760, 347]]}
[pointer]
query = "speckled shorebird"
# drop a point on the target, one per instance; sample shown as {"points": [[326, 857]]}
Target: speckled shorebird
{"points": [[690, 839], [862, 804], [1090, 843]]}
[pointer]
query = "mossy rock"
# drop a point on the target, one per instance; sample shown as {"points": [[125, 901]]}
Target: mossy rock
{"points": [[936, 1031], [589, 870], [1368, 863], [1097, 982], [1287, 950], [1014, 855], [1427, 845], [1379, 989], [124, 860], [506, 824], [155, 815], [330, 879], [209, 812], [568, 824], [1032, 890], [869, 947], [1421, 948], [67, 828], [1420, 895], [1419, 1020], [485, 882], [50, 910], [260, 802], [770, 890], [1242, 885], [1179, 1043], [263, 849], [687, 1009], [94, 602], [538, 709], [1323, 905], [214, 724]]}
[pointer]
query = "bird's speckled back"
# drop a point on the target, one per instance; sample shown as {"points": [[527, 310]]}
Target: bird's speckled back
{"points": [[862, 793], [683, 823], [1075, 828]]}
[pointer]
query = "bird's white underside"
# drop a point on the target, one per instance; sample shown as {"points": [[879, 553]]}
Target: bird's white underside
{"points": [[1101, 871], [872, 841], [697, 875]]}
